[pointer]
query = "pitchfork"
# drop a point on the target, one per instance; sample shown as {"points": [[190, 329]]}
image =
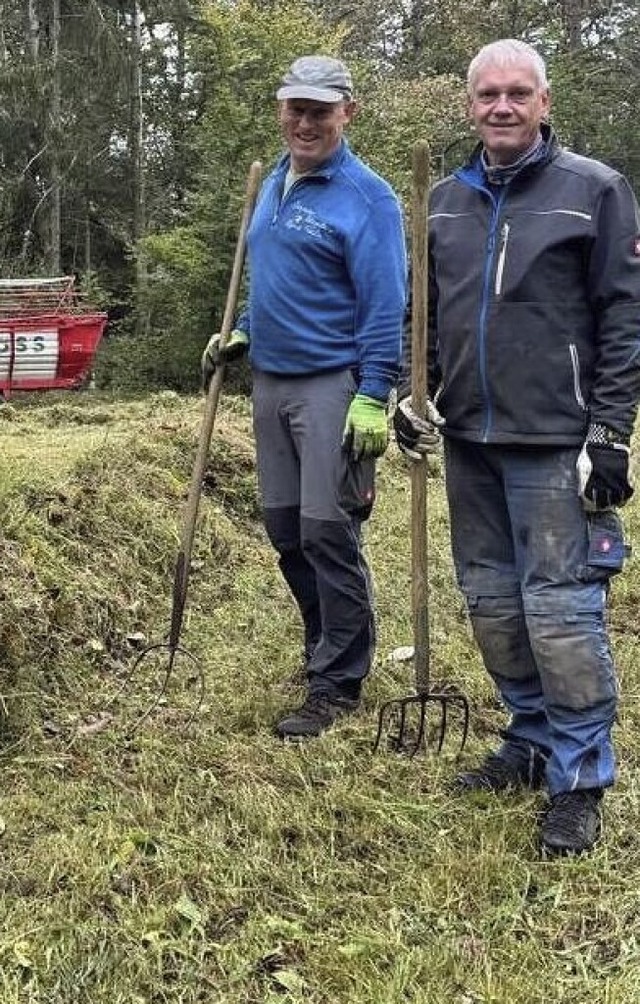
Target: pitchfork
{"points": [[183, 561], [397, 713]]}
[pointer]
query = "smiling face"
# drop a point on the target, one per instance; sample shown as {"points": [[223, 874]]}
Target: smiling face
{"points": [[507, 105], [313, 129]]}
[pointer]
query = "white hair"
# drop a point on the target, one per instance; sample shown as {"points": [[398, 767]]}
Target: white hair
{"points": [[506, 52]]}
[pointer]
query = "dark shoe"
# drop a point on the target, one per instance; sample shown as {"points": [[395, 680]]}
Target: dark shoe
{"points": [[319, 712], [503, 772], [572, 822]]}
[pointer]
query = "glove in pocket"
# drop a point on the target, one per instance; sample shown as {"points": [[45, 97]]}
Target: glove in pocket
{"points": [[607, 550], [357, 485]]}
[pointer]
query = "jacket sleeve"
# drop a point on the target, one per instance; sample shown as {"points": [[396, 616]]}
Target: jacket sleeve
{"points": [[614, 282], [378, 269], [242, 320]]}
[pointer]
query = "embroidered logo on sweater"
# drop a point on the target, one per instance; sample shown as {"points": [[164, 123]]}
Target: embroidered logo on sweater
{"points": [[305, 219]]}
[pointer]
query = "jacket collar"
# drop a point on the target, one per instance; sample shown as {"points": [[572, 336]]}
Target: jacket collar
{"points": [[473, 172], [325, 170]]}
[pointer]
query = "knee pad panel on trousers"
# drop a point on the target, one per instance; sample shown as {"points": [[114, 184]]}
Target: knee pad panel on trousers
{"points": [[333, 550], [500, 631], [574, 660], [283, 527]]}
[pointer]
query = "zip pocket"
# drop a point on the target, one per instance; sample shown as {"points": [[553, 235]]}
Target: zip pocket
{"points": [[575, 366], [502, 255]]}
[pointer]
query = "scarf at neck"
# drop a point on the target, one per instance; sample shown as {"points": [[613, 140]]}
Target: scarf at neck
{"points": [[501, 174]]}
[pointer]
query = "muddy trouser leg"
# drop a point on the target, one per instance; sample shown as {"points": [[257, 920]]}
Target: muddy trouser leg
{"points": [[314, 522], [519, 539]]}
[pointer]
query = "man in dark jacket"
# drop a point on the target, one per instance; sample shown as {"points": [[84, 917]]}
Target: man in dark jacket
{"points": [[534, 261]]}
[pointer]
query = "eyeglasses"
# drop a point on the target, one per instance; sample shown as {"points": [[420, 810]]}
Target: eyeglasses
{"points": [[514, 96]]}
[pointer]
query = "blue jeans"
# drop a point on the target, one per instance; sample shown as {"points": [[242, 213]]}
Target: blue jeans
{"points": [[519, 537]]}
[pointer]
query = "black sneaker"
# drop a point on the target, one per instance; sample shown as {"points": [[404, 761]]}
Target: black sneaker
{"points": [[572, 822], [503, 772], [319, 712]]}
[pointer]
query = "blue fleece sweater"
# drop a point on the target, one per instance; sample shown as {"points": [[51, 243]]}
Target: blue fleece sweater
{"points": [[327, 268]]}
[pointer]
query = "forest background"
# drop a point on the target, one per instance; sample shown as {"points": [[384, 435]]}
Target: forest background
{"points": [[127, 128]]}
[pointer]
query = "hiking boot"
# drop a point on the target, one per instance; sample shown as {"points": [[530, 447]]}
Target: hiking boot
{"points": [[572, 822], [319, 712], [525, 768]]}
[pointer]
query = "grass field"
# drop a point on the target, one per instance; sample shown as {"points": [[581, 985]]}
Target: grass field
{"points": [[208, 862]]}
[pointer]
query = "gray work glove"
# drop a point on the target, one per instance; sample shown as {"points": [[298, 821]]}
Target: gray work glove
{"points": [[417, 436], [603, 469], [235, 346]]}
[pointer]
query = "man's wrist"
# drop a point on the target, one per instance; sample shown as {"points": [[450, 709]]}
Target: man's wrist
{"points": [[368, 399], [600, 434]]}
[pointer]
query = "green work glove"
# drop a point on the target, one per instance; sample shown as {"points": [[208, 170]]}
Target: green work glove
{"points": [[235, 346], [366, 432]]}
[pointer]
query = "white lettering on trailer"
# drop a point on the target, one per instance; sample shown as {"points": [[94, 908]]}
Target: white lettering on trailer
{"points": [[35, 354]]}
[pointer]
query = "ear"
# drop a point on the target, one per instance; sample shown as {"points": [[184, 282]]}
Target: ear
{"points": [[351, 109], [545, 99]]}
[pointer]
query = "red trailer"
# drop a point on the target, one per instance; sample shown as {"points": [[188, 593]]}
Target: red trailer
{"points": [[48, 335]]}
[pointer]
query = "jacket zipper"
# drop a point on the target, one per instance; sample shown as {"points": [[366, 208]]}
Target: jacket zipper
{"points": [[502, 255], [281, 199], [482, 334]]}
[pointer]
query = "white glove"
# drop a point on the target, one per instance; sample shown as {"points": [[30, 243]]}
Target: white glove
{"points": [[417, 436]]}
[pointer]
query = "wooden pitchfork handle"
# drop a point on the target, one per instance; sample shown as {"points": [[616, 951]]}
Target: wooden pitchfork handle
{"points": [[183, 561], [419, 345]]}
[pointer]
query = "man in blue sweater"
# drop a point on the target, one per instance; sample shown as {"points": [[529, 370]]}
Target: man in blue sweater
{"points": [[323, 328]]}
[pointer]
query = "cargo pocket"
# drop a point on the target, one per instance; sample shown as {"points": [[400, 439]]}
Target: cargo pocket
{"points": [[607, 550], [357, 490]]}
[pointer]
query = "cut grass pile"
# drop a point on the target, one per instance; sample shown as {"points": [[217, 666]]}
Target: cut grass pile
{"points": [[215, 864]]}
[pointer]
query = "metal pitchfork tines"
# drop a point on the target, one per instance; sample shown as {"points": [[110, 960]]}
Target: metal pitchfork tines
{"points": [[183, 561], [408, 715]]}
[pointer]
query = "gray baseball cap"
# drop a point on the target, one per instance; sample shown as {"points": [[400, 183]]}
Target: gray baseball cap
{"points": [[317, 78]]}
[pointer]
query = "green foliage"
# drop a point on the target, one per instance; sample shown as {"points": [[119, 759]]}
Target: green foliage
{"points": [[585, 90], [170, 360], [92, 291], [396, 113], [180, 270]]}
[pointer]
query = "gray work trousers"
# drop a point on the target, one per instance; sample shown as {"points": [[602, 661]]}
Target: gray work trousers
{"points": [[315, 499]]}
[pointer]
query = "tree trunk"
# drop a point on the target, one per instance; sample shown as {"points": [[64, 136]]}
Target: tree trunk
{"points": [[137, 164], [54, 252], [572, 13], [33, 29]]}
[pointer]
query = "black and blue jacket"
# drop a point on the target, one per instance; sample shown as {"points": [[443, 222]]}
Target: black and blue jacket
{"points": [[534, 302]]}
